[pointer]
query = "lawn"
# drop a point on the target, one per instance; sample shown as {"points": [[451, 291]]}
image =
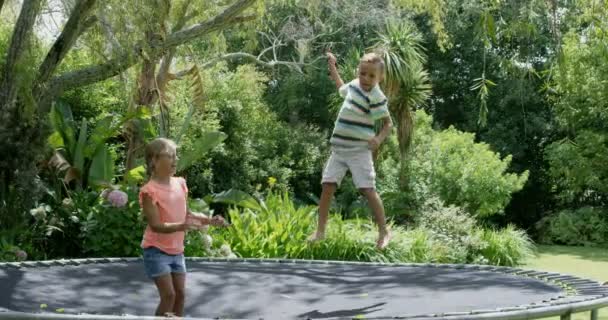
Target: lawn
{"points": [[585, 262]]}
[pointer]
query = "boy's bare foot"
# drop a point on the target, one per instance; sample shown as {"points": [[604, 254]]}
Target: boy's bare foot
{"points": [[317, 236], [384, 237]]}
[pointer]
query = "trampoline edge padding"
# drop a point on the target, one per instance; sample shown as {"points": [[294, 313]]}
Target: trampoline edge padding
{"points": [[582, 294]]}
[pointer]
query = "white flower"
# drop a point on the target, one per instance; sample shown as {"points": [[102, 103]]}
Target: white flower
{"points": [[67, 202], [207, 241], [39, 213], [225, 250]]}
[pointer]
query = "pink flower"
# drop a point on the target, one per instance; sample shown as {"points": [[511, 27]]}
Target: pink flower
{"points": [[21, 255], [117, 198]]}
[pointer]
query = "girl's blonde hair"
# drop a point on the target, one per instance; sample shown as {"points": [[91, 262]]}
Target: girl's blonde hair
{"points": [[154, 149]]}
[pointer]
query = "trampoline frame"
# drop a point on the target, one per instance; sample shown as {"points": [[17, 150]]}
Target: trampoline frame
{"points": [[588, 295]]}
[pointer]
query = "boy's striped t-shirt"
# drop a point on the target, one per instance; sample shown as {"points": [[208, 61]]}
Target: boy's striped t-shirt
{"points": [[360, 109]]}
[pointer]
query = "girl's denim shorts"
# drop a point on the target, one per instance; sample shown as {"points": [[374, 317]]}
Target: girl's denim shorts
{"points": [[158, 263]]}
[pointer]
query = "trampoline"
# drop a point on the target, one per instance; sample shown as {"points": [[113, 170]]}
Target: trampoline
{"points": [[294, 289]]}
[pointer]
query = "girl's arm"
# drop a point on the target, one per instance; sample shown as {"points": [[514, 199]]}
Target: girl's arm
{"points": [[199, 216], [203, 219], [153, 219]]}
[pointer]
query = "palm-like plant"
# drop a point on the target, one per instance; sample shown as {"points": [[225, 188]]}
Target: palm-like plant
{"points": [[406, 83]]}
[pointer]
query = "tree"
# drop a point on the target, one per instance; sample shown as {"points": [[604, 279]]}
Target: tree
{"points": [[407, 82], [27, 90]]}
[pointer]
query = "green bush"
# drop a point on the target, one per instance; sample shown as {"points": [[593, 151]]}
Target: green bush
{"points": [[506, 247], [280, 230], [259, 144], [452, 227], [109, 231], [587, 226], [448, 165], [452, 166]]}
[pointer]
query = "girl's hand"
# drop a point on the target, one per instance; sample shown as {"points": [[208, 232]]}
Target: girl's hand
{"points": [[218, 221], [198, 221]]}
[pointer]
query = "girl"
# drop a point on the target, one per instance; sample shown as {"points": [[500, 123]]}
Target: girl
{"points": [[164, 202]]}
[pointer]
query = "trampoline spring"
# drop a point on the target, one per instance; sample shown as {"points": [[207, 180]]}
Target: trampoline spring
{"points": [[525, 273], [590, 286], [562, 278], [580, 281]]}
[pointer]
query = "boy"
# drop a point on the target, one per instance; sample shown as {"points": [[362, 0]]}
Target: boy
{"points": [[354, 139]]}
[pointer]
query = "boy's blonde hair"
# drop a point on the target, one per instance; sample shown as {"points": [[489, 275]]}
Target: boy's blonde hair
{"points": [[375, 58], [154, 149]]}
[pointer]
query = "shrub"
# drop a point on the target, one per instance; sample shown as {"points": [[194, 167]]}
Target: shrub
{"points": [[453, 228], [259, 144], [587, 226], [109, 231], [507, 247], [445, 235], [451, 165]]}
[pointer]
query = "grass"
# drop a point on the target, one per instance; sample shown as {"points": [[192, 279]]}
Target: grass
{"points": [[584, 262]]}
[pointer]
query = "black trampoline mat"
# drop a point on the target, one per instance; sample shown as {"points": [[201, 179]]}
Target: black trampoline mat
{"points": [[271, 290]]}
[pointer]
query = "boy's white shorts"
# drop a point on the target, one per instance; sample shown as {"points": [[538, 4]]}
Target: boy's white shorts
{"points": [[360, 163]]}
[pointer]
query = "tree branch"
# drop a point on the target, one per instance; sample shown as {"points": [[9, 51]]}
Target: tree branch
{"points": [[73, 28], [107, 30], [236, 56], [96, 73], [19, 41], [219, 22], [163, 71]]}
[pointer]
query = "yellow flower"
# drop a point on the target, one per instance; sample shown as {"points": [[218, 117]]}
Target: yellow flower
{"points": [[272, 181]]}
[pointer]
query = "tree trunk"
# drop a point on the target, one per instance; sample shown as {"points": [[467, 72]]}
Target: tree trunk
{"points": [[16, 132], [19, 42]]}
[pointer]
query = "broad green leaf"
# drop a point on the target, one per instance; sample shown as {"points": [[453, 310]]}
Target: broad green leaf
{"points": [[198, 205], [78, 152], [202, 145], [237, 198], [102, 132], [64, 109], [61, 121], [102, 167], [186, 123]]}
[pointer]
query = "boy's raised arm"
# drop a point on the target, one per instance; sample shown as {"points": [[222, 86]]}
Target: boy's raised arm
{"points": [[333, 70]]}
